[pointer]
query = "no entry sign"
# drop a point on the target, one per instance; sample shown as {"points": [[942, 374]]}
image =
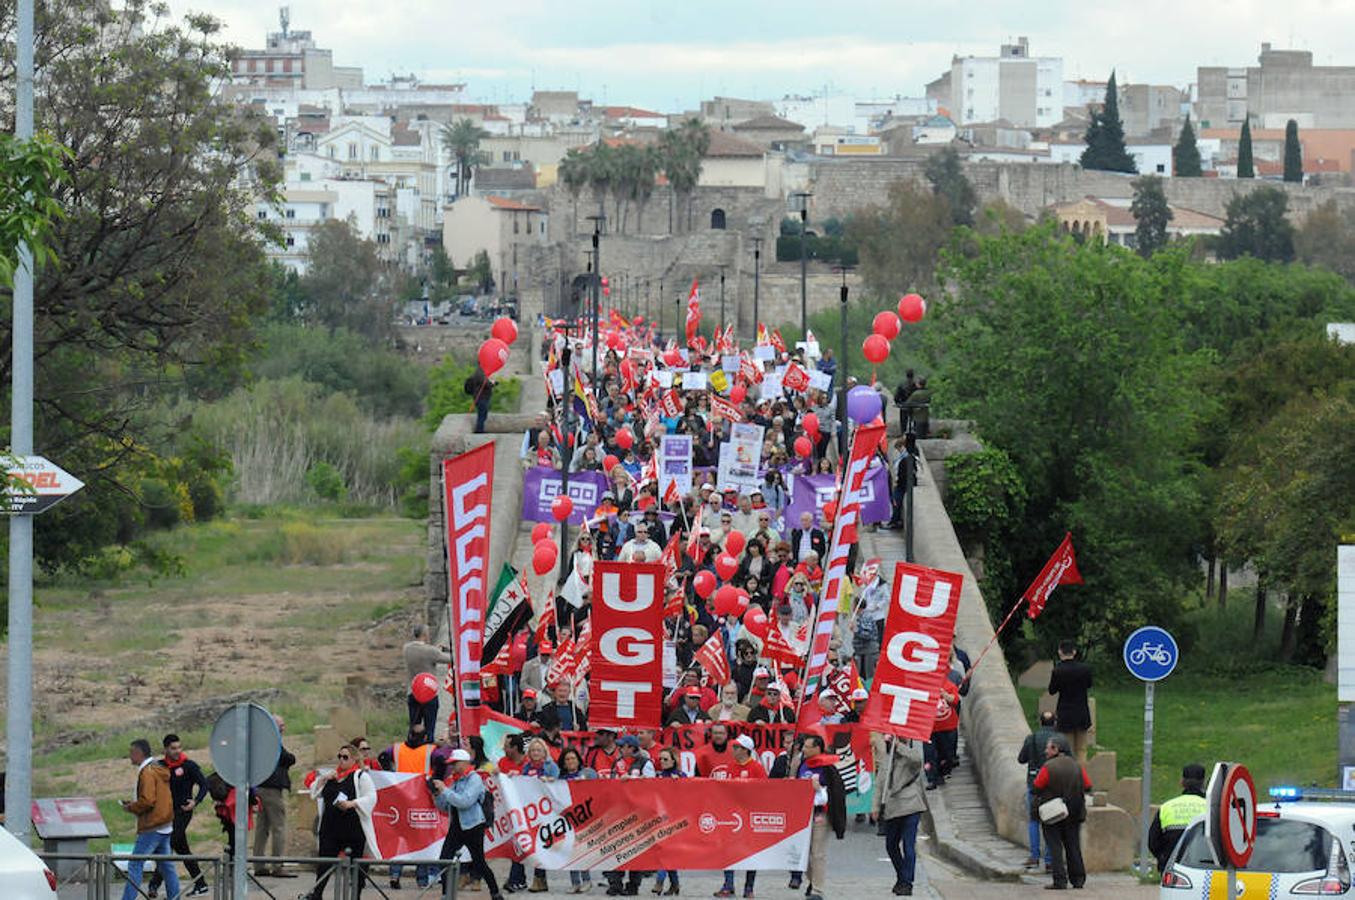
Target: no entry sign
{"points": [[1230, 826]]}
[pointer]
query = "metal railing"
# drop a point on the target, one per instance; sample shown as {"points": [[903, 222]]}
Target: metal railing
{"points": [[105, 880]]}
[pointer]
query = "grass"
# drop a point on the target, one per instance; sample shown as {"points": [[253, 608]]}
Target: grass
{"points": [[1226, 701]]}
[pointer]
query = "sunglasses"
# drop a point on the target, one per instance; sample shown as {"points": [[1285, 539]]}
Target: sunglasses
{"points": [[365, 749], [345, 756]]}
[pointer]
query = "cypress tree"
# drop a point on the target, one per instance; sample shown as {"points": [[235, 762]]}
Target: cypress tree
{"points": [[1293, 153], [1186, 153], [1105, 137], [1245, 168]]}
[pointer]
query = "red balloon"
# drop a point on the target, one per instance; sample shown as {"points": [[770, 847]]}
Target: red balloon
{"points": [[726, 566], [673, 358], [505, 329], [727, 600], [493, 355], [638, 320], [605, 281], [804, 446], [735, 542], [561, 508], [424, 687], [830, 511], [755, 620], [912, 308], [742, 602], [540, 532], [875, 348], [886, 325], [544, 557], [624, 439], [614, 341], [737, 393], [811, 424], [627, 369], [610, 462], [606, 291], [704, 584]]}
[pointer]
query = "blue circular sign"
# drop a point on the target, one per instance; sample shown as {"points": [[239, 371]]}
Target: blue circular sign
{"points": [[1150, 653]]}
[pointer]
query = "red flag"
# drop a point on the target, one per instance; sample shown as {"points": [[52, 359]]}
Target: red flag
{"points": [[776, 648], [693, 314], [467, 482], [777, 342], [916, 652], [671, 404], [564, 665], [671, 494], [626, 688], [547, 619], [749, 370], [499, 665], [1061, 569], [694, 541], [724, 409], [674, 604], [714, 662], [795, 379]]}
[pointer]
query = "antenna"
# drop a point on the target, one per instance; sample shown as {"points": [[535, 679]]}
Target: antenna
{"points": [[284, 18]]}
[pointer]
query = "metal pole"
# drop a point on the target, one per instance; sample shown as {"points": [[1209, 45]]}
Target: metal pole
{"points": [[241, 877], [842, 375], [804, 283], [909, 478], [722, 300], [565, 451], [757, 257], [597, 297], [19, 787], [1145, 810]]}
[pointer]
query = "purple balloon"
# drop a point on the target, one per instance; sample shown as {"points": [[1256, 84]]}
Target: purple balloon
{"points": [[863, 404]]}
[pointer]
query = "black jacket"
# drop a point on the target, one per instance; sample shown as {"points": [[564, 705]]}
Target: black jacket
{"points": [[817, 542], [182, 779], [280, 777], [1071, 679]]}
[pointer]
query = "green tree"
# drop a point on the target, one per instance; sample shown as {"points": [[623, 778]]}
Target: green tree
{"points": [[946, 175], [1186, 153], [1152, 213], [573, 173], [30, 174], [441, 274], [1255, 225], [288, 298], [1293, 153], [461, 139], [1327, 238], [898, 242], [1245, 167], [346, 284], [480, 273], [1105, 136]]}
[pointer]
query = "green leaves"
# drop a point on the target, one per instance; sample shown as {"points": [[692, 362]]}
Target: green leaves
{"points": [[30, 173]]}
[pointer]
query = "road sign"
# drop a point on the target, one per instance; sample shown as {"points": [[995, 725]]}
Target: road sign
{"points": [[250, 759], [1150, 653], [48, 484], [1230, 825]]}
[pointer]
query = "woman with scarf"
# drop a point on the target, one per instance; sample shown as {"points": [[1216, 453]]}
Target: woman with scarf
{"points": [[345, 798], [462, 795], [573, 769], [538, 765], [830, 808], [667, 768]]}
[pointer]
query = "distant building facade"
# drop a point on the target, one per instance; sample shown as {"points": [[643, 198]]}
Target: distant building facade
{"points": [[1024, 90], [1285, 85]]}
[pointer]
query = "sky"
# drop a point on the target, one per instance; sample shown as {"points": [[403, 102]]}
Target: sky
{"points": [[667, 56]]}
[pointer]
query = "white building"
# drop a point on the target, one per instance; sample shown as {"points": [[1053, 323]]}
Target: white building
{"points": [[834, 110], [365, 204], [1024, 90]]}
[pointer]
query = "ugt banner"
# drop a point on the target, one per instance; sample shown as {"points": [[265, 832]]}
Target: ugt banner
{"points": [[467, 485], [627, 664], [404, 823], [809, 493], [915, 657], [542, 484], [653, 823]]}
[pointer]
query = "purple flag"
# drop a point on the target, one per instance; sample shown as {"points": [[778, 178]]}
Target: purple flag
{"points": [[541, 485], [810, 492]]}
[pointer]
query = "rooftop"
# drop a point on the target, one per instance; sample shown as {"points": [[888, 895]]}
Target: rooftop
{"points": [[510, 205], [769, 123], [724, 144], [1117, 214]]}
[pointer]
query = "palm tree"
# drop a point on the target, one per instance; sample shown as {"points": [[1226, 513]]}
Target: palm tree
{"points": [[573, 173], [461, 139], [646, 174], [681, 150]]}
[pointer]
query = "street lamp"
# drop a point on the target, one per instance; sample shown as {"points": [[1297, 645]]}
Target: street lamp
{"points": [[597, 293], [757, 257], [803, 197], [722, 268], [842, 368]]}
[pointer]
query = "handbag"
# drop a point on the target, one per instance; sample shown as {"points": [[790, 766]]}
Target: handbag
{"points": [[1052, 812]]}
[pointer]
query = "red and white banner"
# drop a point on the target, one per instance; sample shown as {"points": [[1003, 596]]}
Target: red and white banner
{"points": [[749, 371], [627, 682], [1061, 569], [671, 404], [724, 409], [795, 379], [693, 313], [713, 659], [653, 823], [404, 824], [915, 657], [467, 486], [866, 440]]}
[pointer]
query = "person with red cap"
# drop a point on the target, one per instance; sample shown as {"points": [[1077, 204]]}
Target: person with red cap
{"points": [[689, 711], [744, 765]]}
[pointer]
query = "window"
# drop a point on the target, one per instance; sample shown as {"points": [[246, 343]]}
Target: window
{"points": [[507, 157], [515, 224], [291, 213], [1161, 168], [1282, 845], [543, 227], [717, 219], [291, 241], [262, 214], [383, 212], [331, 151], [376, 153], [305, 176], [383, 238], [352, 151]]}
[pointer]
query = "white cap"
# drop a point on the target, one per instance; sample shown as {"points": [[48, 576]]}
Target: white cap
{"points": [[860, 694], [746, 743], [459, 755]]}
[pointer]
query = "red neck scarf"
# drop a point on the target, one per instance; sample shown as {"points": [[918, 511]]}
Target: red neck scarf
{"points": [[341, 774], [176, 760]]}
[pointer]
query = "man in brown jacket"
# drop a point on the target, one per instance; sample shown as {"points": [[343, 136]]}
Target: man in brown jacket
{"points": [[154, 811], [1063, 778]]}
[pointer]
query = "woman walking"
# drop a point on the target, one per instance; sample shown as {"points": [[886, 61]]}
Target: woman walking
{"points": [[899, 802], [668, 768], [538, 765], [571, 769]]}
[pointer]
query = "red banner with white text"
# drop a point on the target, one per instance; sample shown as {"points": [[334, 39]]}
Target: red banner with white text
{"points": [[467, 484], [653, 823], [915, 656], [626, 686]]}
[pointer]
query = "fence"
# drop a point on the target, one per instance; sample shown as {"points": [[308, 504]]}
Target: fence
{"points": [[104, 880]]}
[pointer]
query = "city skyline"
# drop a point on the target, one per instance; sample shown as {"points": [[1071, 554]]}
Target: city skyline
{"points": [[669, 59]]}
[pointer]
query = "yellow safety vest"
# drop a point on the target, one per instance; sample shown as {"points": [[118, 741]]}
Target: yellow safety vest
{"points": [[1179, 812]]}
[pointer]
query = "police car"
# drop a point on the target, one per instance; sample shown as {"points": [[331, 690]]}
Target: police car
{"points": [[1303, 849]]}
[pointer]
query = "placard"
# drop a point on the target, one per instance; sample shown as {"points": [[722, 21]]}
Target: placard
{"points": [[764, 352], [730, 363], [694, 381], [675, 463]]}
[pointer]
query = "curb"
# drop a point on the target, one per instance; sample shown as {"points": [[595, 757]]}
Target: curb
{"points": [[958, 852]]}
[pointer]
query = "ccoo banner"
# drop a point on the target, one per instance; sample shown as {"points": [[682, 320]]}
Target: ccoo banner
{"points": [[915, 656], [627, 665], [404, 823], [542, 484]]}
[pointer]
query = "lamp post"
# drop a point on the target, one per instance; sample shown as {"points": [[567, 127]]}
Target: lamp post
{"points": [[804, 270], [842, 368], [597, 291], [757, 258], [722, 268]]}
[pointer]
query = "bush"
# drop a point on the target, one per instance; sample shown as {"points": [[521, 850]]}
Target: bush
{"points": [[161, 503], [384, 383], [325, 481], [447, 394]]}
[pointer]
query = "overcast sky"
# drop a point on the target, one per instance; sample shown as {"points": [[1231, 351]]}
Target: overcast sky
{"points": [[669, 55]]}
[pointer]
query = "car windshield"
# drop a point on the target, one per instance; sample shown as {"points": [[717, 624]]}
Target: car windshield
{"points": [[1282, 845]]}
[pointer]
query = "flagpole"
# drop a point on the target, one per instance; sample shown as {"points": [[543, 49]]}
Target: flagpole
{"points": [[991, 641]]}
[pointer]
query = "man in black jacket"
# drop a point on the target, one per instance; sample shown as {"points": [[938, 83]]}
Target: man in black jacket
{"points": [[807, 538], [272, 793], [1032, 754], [184, 776], [1070, 680], [480, 389]]}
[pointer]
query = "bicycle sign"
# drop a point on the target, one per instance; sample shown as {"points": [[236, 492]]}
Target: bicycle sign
{"points": [[1150, 653]]}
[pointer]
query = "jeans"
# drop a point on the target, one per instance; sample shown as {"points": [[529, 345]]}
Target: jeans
{"points": [[517, 873], [1033, 829], [156, 843], [749, 879], [178, 842], [424, 873], [481, 413], [901, 845], [581, 876]]}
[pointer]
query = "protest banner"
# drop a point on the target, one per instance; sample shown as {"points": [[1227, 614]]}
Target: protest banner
{"points": [[627, 669], [467, 486], [915, 655], [542, 484], [675, 463], [632, 824], [694, 381], [795, 378], [405, 824], [809, 493], [741, 458]]}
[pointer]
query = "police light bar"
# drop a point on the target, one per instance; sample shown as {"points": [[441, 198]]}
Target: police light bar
{"points": [[1289, 792]]}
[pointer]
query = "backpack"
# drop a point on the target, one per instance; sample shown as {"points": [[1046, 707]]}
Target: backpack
{"points": [[487, 802], [469, 386]]}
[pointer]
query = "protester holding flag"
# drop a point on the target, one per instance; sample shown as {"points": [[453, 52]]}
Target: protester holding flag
{"points": [[830, 807]]}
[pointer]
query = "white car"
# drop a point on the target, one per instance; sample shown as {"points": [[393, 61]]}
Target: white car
{"points": [[22, 875], [1302, 850]]}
